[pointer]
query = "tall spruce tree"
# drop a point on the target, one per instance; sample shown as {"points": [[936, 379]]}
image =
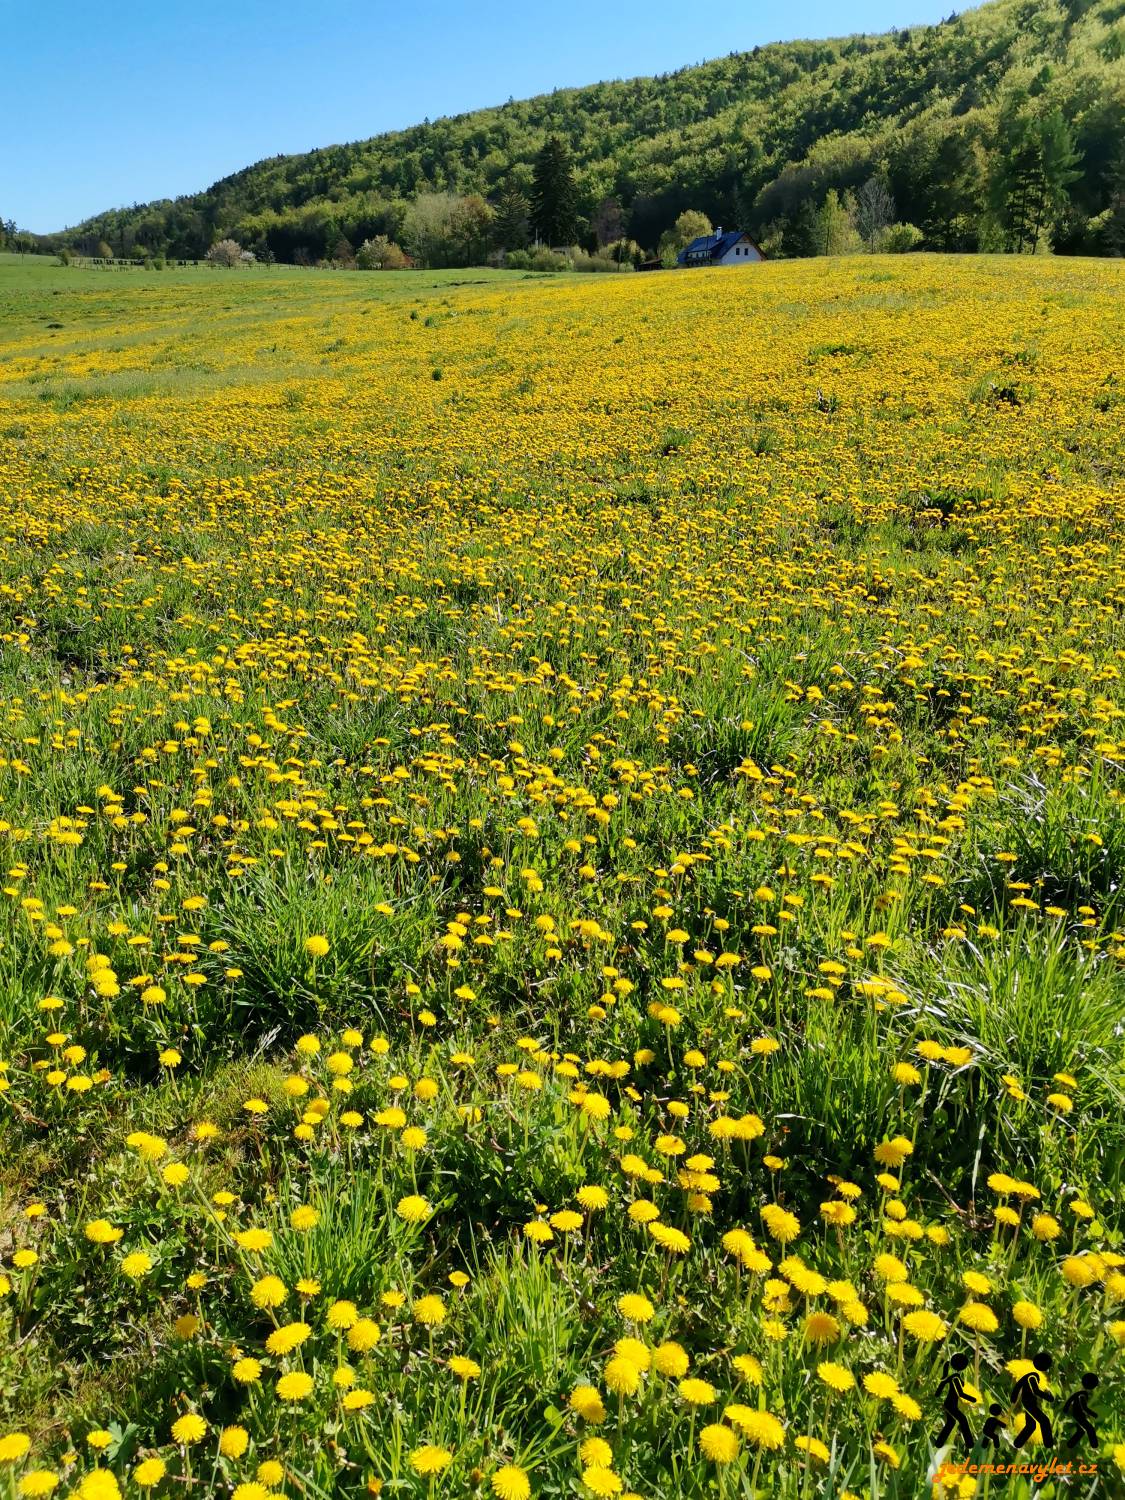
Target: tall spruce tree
{"points": [[554, 195], [510, 230]]}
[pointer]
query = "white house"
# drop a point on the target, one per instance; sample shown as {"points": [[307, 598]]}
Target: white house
{"points": [[734, 248]]}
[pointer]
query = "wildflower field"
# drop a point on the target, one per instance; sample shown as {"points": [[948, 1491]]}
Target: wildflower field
{"points": [[562, 839]]}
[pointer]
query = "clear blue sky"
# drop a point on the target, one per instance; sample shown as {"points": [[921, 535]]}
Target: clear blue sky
{"points": [[110, 102]]}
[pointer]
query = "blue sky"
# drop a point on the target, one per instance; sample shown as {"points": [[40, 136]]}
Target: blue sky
{"points": [[113, 101]]}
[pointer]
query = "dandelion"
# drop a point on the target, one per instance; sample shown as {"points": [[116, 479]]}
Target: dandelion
{"points": [[510, 1482], [342, 1315], [636, 1307], [880, 1385], [1081, 1270], [102, 1232], [254, 1240], [718, 1443], [268, 1292], [634, 1350], [821, 1328], [586, 1402], [37, 1482], [98, 1484], [979, 1317], [289, 1336], [926, 1327], [889, 1268], [669, 1238], [233, 1442], [593, 1198], [601, 1481], [188, 1429], [670, 1359], [697, 1392], [596, 1451], [622, 1376], [815, 1449], [358, 1399], [761, 1429], [413, 1209], [894, 1152], [429, 1310], [781, 1225], [294, 1386], [1027, 1314], [836, 1377], [363, 1336], [430, 1459]]}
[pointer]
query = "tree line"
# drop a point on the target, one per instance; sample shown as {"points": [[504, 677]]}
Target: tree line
{"points": [[1002, 129]]}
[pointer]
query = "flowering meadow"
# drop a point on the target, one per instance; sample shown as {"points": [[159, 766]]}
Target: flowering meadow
{"points": [[562, 840]]}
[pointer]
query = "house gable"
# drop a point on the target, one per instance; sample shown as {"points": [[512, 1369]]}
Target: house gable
{"points": [[742, 253]]}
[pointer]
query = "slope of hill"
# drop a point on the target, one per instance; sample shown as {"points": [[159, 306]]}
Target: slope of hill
{"points": [[759, 138]]}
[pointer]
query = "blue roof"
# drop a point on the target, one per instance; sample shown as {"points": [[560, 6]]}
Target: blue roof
{"points": [[711, 245]]}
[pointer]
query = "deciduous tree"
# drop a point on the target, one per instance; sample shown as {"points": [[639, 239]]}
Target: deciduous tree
{"points": [[224, 253]]}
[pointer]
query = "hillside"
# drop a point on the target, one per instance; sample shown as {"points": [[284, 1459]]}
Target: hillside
{"points": [[946, 112]]}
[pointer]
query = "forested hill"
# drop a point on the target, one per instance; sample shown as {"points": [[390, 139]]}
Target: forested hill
{"points": [[949, 114]]}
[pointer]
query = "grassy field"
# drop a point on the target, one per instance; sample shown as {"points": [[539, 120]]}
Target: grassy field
{"points": [[562, 840]]}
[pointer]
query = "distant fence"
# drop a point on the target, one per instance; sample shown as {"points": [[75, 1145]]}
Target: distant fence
{"points": [[126, 263]]}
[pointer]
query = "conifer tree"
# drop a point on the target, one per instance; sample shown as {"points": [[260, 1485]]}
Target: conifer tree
{"points": [[510, 227], [554, 195]]}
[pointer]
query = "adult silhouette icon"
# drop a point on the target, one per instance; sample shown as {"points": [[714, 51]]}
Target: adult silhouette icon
{"points": [[954, 1388], [1030, 1392]]}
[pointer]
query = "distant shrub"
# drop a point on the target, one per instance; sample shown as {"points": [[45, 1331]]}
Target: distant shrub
{"points": [[898, 239], [580, 261], [518, 260], [546, 260]]}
